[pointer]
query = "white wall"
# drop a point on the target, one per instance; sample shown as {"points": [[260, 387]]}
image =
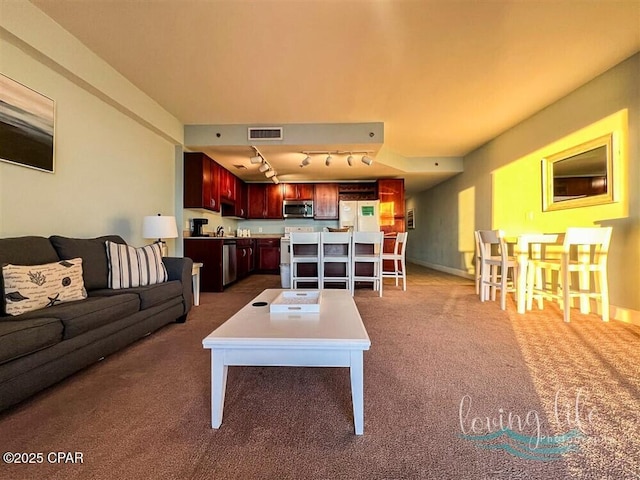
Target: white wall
{"points": [[114, 163], [448, 213]]}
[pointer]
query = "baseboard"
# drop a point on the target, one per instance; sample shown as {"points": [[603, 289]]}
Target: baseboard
{"points": [[622, 314], [441, 268], [625, 315]]}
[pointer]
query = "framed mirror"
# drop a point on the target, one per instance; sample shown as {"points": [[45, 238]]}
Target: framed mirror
{"points": [[579, 177]]}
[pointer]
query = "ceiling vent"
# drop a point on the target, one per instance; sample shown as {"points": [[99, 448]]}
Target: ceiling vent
{"points": [[265, 133]]}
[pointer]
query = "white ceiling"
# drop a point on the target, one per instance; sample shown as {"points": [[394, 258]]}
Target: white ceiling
{"points": [[444, 76]]}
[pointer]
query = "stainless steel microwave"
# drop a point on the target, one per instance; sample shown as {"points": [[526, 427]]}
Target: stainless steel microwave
{"points": [[297, 209]]}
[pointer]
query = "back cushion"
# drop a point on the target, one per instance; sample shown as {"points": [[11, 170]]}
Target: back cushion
{"points": [[24, 251], [93, 254]]}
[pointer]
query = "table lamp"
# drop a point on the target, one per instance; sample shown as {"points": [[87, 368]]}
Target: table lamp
{"points": [[159, 226]]}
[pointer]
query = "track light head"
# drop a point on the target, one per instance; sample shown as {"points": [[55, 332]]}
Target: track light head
{"points": [[306, 161], [327, 162], [270, 173], [265, 166], [275, 180], [350, 160], [256, 159], [367, 160]]}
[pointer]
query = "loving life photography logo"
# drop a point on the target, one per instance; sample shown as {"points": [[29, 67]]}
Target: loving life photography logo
{"points": [[527, 434]]}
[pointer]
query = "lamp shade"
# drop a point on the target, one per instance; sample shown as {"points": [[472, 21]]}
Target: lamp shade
{"points": [[159, 226]]}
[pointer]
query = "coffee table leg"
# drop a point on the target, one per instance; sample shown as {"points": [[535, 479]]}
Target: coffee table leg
{"points": [[357, 390], [218, 386]]}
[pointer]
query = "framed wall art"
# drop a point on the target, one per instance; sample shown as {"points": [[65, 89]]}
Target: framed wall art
{"points": [[411, 218], [26, 126]]}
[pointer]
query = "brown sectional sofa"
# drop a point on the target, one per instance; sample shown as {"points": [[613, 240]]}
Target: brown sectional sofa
{"points": [[41, 347]]}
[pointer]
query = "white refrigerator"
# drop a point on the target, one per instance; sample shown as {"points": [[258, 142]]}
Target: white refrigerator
{"points": [[361, 216]]}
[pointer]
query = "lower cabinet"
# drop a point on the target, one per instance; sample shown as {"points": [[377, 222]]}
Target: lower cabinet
{"points": [[267, 255], [209, 252], [244, 251]]}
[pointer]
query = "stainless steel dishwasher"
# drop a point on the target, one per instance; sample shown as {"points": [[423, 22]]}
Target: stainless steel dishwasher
{"points": [[229, 262]]}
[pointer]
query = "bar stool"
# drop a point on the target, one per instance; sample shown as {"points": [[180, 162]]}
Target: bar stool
{"points": [[492, 264], [398, 261], [366, 248], [335, 250], [308, 254], [591, 246]]}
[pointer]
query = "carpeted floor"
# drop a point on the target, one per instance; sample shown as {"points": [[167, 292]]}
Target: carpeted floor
{"points": [[445, 377]]}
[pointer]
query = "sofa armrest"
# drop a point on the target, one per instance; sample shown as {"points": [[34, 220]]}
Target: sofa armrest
{"points": [[181, 268]]}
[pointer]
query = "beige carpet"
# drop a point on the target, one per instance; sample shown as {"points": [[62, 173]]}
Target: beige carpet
{"points": [[441, 364]]}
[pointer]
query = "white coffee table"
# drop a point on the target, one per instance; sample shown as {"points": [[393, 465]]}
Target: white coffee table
{"points": [[335, 337]]}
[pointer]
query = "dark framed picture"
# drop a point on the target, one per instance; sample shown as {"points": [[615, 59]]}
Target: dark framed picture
{"points": [[26, 126]]}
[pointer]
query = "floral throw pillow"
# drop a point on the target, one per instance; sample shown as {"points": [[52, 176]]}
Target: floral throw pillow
{"points": [[32, 287]]}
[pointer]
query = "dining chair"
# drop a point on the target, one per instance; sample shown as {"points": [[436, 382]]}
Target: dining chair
{"points": [[478, 269], [584, 251], [397, 258], [366, 248], [305, 250], [495, 267], [335, 251]]}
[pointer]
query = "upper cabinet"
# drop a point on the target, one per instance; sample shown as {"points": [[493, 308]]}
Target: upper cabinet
{"points": [[391, 195], [325, 201], [201, 182], [228, 186], [298, 191], [264, 200]]}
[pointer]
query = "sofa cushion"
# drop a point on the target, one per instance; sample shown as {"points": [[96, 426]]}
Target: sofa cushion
{"points": [[32, 287], [94, 312], [22, 337], [150, 295], [93, 254], [134, 267], [24, 251]]}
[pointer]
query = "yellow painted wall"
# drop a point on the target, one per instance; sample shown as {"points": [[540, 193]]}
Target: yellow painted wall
{"points": [[517, 204]]}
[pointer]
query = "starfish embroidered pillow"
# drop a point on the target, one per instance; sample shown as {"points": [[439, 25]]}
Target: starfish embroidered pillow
{"points": [[32, 287]]}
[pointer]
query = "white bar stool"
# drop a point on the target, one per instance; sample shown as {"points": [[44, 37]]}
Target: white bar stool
{"points": [[335, 250], [397, 257], [366, 247], [310, 255]]}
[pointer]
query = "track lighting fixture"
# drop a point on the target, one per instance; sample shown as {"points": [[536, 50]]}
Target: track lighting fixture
{"points": [[256, 159], [330, 156], [306, 161], [270, 173], [275, 180], [265, 167]]}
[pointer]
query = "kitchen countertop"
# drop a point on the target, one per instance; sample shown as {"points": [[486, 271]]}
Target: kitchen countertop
{"points": [[229, 237]]}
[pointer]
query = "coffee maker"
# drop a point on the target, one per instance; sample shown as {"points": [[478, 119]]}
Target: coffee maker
{"points": [[197, 224]]}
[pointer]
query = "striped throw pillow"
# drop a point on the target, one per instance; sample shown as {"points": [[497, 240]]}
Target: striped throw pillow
{"points": [[134, 267]]}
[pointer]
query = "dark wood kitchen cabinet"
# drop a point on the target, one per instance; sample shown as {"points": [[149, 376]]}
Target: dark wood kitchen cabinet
{"points": [[245, 257], [391, 195], [241, 199], [267, 255], [228, 185], [264, 201], [298, 191], [209, 252], [201, 182], [325, 201]]}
